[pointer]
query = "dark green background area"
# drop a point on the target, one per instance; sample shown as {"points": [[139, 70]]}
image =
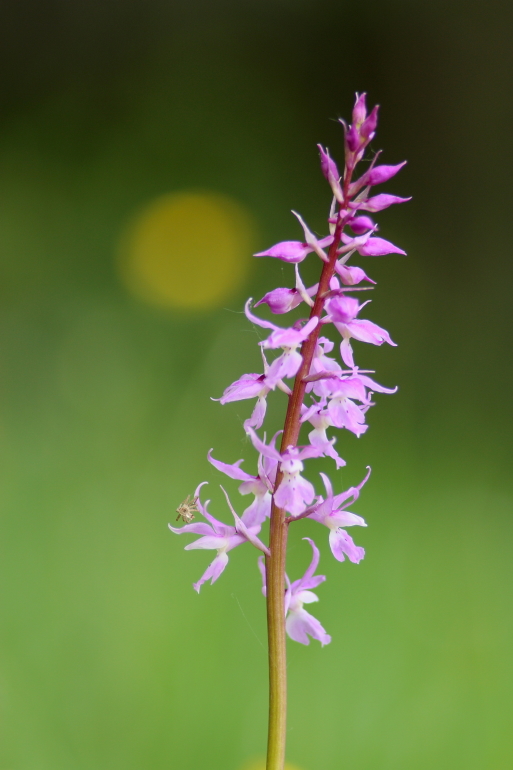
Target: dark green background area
{"points": [[108, 659]]}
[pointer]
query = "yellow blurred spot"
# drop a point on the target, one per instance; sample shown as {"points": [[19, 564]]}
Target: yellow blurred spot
{"points": [[259, 764], [187, 250]]}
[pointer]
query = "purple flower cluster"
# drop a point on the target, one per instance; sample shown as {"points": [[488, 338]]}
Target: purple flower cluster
{"points": [[333, 394]]}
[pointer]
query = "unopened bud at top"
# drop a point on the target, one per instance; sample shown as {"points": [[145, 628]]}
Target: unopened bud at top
{"points": [[330, 171], [359, 110], [368, 127], [352, 139], [362, 130]]}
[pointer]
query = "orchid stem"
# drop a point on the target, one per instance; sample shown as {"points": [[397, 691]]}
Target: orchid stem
{"points": [[275, 578]]}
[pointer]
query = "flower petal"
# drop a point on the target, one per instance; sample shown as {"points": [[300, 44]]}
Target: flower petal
{"points": [[213, 571], [248, 386], [281, 300], [233, 470], [257, 415], [346, 351], [258, 511], [243, 530], [209, 542], [285, 366], [367, 331], [313, 564], [198, 528], [308, 597], [267, 450], [293, 492], [300, 624], [261, 567], [342, 545]]}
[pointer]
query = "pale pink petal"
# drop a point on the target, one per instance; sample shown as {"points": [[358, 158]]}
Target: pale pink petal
{"points": [[285, 366], [293, 492], [308, 597], [342, 545], [210, 542], [375, 386], [242, 529], [304, 453], [249, 386], [367, 331], [290, 338], [351, 387], [258, 511], [256, 486], [300, 624], [313, 564], [267, 450], [219, 528], [319, 439], [197, 528], [344, 413], [352, 492], [346, 351], [347, 519], [312, 582], [213, 571], [233, 471], [261, 567], [257, 416]]}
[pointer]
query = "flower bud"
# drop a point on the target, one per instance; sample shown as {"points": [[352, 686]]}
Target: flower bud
{"points": [[343, 309], [288, 251], [352, 139], [281, 300], [350, 275], [368, 128], [359, 110], [360, 225], [382, 201], [330, 171], [380, 174]]}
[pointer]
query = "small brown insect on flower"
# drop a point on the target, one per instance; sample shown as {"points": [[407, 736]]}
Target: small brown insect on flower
{"points": [[187, 509]]}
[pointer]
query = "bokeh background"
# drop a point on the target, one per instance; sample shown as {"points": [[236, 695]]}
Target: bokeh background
{"points": [[147, 148]]}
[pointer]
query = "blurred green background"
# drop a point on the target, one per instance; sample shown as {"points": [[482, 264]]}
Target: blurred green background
{"points": [[114, 113]]}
